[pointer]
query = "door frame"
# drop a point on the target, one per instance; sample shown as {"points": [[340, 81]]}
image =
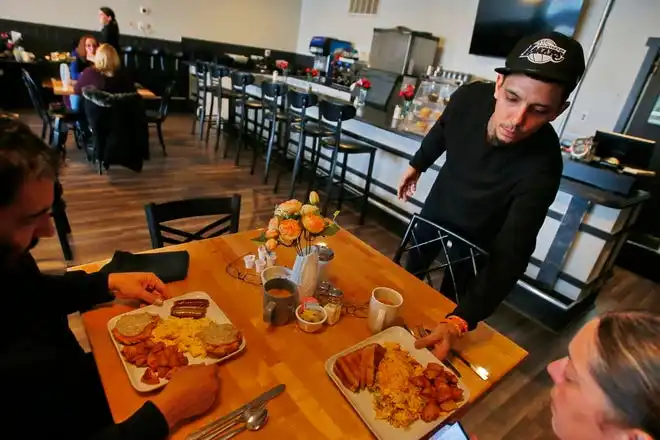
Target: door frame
{"points": [[652, 53]]}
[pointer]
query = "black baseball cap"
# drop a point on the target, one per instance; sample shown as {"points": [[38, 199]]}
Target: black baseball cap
{"points": [[548, 55]]}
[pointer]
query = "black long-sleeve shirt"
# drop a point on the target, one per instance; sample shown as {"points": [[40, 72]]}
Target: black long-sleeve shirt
{"points": [[497, 196], [110, 35], [44, 374]]}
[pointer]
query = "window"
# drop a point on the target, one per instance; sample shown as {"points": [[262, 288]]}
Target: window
{"points": [[363, 7]]}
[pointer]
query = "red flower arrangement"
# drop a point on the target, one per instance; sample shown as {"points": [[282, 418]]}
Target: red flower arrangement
{"points": [[364, 83], [312, 72], [282, 64], [407, 92]]}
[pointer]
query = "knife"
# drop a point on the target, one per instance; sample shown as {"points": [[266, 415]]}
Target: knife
{"points": [[259, 401]]}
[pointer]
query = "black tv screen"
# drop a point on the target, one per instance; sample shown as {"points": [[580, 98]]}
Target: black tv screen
{"points": [[501, 23]]}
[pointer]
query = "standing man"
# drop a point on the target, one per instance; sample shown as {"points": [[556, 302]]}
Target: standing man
{"points": [[502, 172], [110, 31]]}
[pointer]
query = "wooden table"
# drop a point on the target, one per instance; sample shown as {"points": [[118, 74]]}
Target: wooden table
{"points": [[60, 89], [311, 406]]}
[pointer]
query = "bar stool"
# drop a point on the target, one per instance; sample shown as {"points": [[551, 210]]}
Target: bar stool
{"points": [[219, 72], [199, 91], [240, 81], [271, 95], [299, 102], [339, 112]]}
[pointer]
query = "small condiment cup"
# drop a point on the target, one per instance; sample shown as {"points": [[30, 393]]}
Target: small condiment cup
{"points": [[260, 265], [249, 261], [311, 327]]}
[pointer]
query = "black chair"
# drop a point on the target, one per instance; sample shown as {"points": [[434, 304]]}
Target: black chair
{"points": [[157, 214], [430, 248], [218, 72], [272, 98], [201, 87], [338, 112], [240, 81], [158, 117], [56, 123]]}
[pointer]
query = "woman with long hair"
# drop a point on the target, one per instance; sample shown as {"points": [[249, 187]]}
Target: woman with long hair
{"points": [[110, 31], [85, 52], [608, 387]]}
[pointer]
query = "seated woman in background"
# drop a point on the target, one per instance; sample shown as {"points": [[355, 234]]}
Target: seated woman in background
{"points": [[106, 74], [608, 387], [85, 52]]}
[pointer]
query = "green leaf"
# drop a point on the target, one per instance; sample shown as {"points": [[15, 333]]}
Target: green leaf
{"points": [[330, 230], [260, 239], [334, 215]]}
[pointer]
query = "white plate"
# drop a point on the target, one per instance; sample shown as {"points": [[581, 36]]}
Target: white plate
{"points": [[362, 402], [135, 373]]}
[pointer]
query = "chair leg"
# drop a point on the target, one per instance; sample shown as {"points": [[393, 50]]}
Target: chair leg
{"points": [[159, 129], [63, 229], [315, 166], [202, 117], [195, 115], [296, 165], [367, 187], [242, 131], [220, 123], [269, 150], [331, 175], [44, 127], [341, 182], [208, 123]]}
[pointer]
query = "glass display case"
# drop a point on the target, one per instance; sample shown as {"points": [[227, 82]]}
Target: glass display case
{"points": [[430, 100]]}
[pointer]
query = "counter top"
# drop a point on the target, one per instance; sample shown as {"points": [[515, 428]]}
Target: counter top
{"points": [[601, 197]]}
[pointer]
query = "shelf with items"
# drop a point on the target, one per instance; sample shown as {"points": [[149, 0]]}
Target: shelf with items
{"points": [[430, 100]]}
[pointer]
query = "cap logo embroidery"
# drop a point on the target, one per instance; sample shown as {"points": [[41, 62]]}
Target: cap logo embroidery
{"points": [[544, 51]]}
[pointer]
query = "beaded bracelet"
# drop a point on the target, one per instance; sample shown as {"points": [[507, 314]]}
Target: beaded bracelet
{"points": [[459, 323]]}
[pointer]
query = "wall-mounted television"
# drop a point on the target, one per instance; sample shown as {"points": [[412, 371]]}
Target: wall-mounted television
{"points": [[501, 23]]}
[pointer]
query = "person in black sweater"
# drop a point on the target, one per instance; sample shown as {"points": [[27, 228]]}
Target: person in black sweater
{"points": [[110, 31], [502, 171], [53, 387]]}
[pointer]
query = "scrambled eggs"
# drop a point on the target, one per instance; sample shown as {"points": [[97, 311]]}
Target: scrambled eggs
{"points": [[182, 333], [397, 400]]}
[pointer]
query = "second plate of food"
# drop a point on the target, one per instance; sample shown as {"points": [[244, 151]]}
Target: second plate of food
{"points": [[399, 392], [152, 342]]}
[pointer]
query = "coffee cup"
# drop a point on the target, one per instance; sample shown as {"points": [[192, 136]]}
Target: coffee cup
{"points": [[384, 307], [280, 295]]}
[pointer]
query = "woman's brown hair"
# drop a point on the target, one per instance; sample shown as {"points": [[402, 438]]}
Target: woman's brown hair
{"points": [[628, 368], [107, 60], [82, 52]]}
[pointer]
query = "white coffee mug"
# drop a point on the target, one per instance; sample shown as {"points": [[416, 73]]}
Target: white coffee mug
{"points": [[384, 307]]}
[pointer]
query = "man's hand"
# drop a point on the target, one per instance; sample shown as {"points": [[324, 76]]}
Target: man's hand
{"points": [[191, 392], [144, 286], [441, 339], [408, 184]]}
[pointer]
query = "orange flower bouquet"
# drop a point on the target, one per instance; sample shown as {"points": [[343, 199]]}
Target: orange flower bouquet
{"points": [[297, 225]]}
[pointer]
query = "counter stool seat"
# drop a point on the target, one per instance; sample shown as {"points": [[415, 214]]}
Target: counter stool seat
{"points": [[230, 94], [280, 116], [313, 129], [254, 104], [348, 145]]}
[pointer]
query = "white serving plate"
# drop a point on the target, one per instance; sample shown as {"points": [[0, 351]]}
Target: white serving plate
{"points": [[213, 313], [362, 402]]}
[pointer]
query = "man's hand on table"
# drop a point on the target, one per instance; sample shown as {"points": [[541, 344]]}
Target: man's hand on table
{"points": [[146, 287], [441, 339], [191, 392], [408, 184]]}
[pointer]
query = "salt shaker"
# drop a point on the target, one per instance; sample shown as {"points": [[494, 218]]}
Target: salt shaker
{"points": [[396, 115], [334, 305], [262, 253], [260, 265]]}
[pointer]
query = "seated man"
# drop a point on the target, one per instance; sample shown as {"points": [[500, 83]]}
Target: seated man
{"points": [[51, 387]]}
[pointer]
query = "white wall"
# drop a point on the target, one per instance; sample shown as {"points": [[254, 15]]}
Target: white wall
{"points": [[605, 88], [262, 23]]}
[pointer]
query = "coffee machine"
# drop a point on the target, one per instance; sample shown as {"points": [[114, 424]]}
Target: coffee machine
{"points": [[324, 50]]}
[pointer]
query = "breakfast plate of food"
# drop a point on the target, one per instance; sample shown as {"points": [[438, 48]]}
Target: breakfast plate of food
{"points": [[152, 342], [399, 392]]}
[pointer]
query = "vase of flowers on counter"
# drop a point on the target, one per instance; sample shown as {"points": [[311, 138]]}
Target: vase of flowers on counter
{"points": [[407, 92], [283, 65], [311, 74], [364, 85], [297, 225]]}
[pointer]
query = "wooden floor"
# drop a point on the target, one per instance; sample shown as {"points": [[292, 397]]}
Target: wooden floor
{"points": [[106, 214]]}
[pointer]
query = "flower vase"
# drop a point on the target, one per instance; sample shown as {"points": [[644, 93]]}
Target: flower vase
{"points": [[362, 97], [306, 272], [407, 105]]}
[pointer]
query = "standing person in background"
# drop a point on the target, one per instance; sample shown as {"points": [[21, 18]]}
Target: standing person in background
{"points": [[84, 58], [110, 31]]}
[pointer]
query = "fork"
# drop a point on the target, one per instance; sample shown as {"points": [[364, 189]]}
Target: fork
{"points": [[478, 370], [446, 362]]}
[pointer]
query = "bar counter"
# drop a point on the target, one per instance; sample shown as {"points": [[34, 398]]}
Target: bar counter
{"points": [[576, 247]]}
